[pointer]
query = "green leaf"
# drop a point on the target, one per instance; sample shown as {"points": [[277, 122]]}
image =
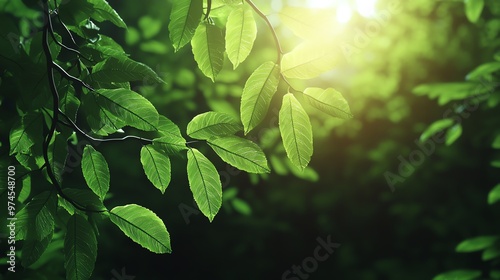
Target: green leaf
{"points": [[240, 34], [123, 69], [453, 134], [307, 23], [130, 107], [105, 47], [483, 71], [307, 174], [308, 60], [149, 26], [142, 226], [83, 197], [495, 274], [494, 195], [184, 18], [490, 253], [156, 166], [24, 134], [95, 171], [205, 183], [446, 92], [57, 154], [101, 121], [36, 220], [496, 142], [80, 249], [208, 49], [33, 249], [166, 127], [25, 191], [240, 153], [328, 101], [257, 94], [434, 128], [70, 103], [296, 131], [171, 145], [476, 244], [102, 11], [460, 274], [473, 9], [241, 206], [210, 124]]}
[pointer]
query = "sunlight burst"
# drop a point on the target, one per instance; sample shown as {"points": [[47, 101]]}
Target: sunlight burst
{"points": [[346, 8]]}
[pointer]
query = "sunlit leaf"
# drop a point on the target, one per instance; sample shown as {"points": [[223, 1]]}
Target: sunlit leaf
{"points": [[484, 70], [296, 131], [205, 183], [476, 244], [240, 34], [461, 274], [328, 101], [257, 94], [95, 171], [473, 9], [453, 134], [490, 253], [308, 60], [142, 226], [129, 106], [211, 124], [208, 49], [307, 23], [171, 145], [80, 248], [434, 128], [446, 92], [101, 121], [494, 195], [240, 153], [241, 207], [166, 127], [103, 11], [184, 18], [156, 165], [149, 26], [496, 142]]}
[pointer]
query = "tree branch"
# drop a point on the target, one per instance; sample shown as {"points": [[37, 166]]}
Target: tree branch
{"points": [[55, 108]]}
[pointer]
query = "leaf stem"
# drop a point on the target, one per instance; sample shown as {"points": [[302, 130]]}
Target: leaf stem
{"points": [[271, 27], [79, 130]]}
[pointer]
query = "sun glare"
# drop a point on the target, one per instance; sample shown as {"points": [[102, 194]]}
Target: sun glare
{"points": [[346, 8]]}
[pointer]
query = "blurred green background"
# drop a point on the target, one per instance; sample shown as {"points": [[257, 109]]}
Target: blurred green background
{"points": [[270, 223]]}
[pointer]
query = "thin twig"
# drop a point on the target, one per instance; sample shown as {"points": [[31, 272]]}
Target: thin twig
{"points": [[69, 77], [271, 27], [79, 130]]}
